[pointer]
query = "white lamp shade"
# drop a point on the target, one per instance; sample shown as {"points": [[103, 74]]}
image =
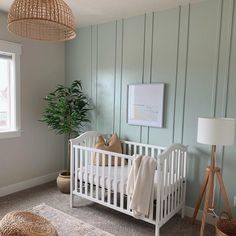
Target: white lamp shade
{"points": [[216, 131]]}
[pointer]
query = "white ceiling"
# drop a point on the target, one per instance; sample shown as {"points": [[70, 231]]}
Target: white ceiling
{"points": [[90, 12]]}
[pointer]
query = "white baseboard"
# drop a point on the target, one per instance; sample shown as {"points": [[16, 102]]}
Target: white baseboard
{"points": [[27, 184], [189, 213]]}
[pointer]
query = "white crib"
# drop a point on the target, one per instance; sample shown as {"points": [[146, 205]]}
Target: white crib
{"points": [[106, 185]]}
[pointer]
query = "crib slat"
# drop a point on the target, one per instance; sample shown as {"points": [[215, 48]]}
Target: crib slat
{"points": [[129, 149], [109, 178], [184, 167], [168, 184], [86, 172], [128, 197], [72, 168], [182, 176], [178, 179], [166, 187], [159, 179], [81, 170], [146, 151], [124, 148], [171, 182], [151, 212], [162, 207], [91, 175], [175, 181], [115, 180], [159, 151], [76, 169], [122, 183], [103, 176], [152, 152], [97, 175]]}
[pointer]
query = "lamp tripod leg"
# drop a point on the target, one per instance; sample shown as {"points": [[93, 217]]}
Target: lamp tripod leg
{"points": [[201, 194], [223, 191], [207, 201]]}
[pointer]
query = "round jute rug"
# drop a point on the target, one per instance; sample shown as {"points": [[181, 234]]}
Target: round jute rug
{"points": [[23, 223]]}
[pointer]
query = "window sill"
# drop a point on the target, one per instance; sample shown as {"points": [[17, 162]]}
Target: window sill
{"points": [[10, 134]]}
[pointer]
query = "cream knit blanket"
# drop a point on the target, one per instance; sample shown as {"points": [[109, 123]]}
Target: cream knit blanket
{"points": [[140, 185]]}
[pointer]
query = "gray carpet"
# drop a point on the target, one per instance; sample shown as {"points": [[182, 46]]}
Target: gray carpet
{"points": [[101, 217]]}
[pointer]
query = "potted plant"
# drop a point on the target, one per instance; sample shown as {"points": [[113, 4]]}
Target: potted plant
{"points": [[66, 113]]}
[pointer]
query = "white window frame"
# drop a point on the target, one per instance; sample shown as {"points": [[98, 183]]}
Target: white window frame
{"points": [[15, 50]]}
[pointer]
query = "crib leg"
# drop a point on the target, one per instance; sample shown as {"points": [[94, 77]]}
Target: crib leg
{"points": [[71, 200], [157, 230]]}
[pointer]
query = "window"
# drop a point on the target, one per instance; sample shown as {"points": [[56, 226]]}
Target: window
{"points": [[9, 89]]}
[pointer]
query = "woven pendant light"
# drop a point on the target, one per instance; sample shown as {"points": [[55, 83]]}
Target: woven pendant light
{"points": [[49, 20]]}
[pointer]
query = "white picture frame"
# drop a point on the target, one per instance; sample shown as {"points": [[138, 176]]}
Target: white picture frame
{"points": [[145, 104]]}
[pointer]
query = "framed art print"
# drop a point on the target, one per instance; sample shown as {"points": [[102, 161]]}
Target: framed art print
{"points": [[145, 104]]}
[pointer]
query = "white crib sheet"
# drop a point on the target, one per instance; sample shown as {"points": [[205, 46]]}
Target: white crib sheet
{"points": [[93, 179]]}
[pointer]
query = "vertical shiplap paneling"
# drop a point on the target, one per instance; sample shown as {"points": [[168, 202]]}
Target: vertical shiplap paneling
{"points": [[165, 47], [144, 49], [79, 62], [79, 51], [94, 66], [132, 69], [147, 63], [106, 76], [224, 48], [229, 161], [200, 81], [118, 75], [181, 74]]}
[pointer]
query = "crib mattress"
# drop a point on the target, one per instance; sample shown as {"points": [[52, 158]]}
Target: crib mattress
{"points": [[92, 177]]}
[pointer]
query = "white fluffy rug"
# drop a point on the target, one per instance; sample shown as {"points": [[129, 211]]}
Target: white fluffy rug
{"points": [[67, 225]]}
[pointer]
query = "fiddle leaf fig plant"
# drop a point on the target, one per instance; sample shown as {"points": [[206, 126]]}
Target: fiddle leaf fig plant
{"points": [[67, 110]]}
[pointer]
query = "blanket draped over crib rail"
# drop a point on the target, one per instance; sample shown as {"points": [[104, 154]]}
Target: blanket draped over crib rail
{"points": [[139, 185], [156, 191]]}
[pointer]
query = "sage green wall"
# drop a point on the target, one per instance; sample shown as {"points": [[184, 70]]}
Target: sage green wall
{"points": [[192, 49]]}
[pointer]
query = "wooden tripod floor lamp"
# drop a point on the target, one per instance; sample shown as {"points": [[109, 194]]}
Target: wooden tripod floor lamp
{"points": [[213, 131]]}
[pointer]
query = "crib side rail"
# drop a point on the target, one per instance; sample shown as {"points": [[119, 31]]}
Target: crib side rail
{"points": [[102, 176], [172, 178], [87, 139], [133, 148]]}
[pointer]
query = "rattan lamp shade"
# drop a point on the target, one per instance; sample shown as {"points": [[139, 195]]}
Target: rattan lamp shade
{"points": [[49, 20]]}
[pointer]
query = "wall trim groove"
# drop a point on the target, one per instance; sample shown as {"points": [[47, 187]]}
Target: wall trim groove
{"points": [[151, 65], [218, 43], [121, 77], [115, 77], [91, 62], [186, 74], [143, 69], [176, 76], [226, 85], [96, 82]]}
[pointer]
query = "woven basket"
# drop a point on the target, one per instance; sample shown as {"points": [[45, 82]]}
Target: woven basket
{"points": [[226, 227]]}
